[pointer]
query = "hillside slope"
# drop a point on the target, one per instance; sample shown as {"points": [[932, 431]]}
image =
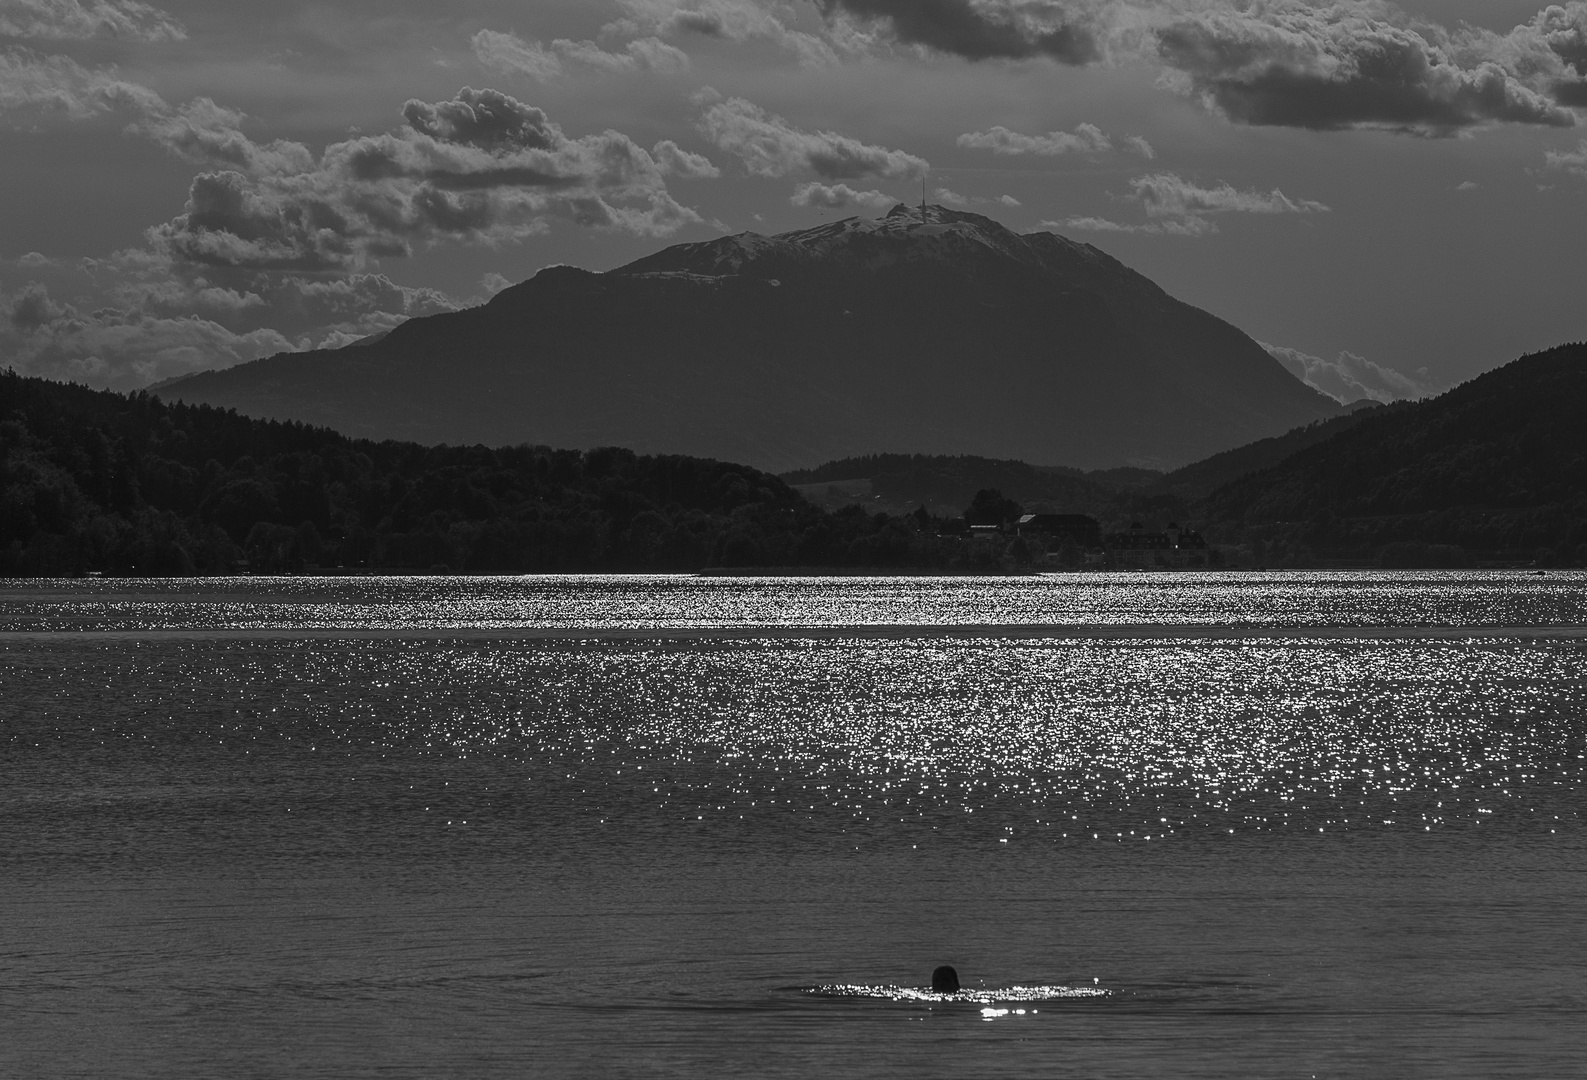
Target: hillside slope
{"points": [[1498, 464]]}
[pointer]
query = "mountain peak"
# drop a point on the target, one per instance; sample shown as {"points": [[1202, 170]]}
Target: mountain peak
{"points": [[905, 234]]}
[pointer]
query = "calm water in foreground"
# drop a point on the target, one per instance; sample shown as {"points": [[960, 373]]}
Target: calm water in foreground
{"points": [[1294, 825]]}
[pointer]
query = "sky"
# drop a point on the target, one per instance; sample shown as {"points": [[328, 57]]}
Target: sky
{"points": [[1392, 199]]}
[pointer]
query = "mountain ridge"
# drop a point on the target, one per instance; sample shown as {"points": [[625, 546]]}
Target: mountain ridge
{"points": [[942, 332]]}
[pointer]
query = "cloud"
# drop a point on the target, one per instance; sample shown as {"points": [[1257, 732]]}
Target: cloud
{"points": [[1348, 377], [1086, 139], [509, 54], [838, 196], [273, 246], [953, 198], [480, 167], [125, 20], [1137, 145], [44, 85], [737, 21], [1363, 63], [140, 317], [1166, 195], [1178, 207], [1467, 185], [34, 85], [1572, 161], [769, 146], [209, 134], [983, 29], [1188, 226], [120, 349], [673, 160]]}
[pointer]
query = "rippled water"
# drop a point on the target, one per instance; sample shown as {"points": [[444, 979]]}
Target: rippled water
{"points": [[390, 827]]}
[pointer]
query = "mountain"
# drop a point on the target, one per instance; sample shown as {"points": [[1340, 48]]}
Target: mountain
{"points": [[928, 331], [1497, 465]]}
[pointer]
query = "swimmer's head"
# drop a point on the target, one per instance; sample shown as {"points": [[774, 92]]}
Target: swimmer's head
{"points": [[945, 980]]}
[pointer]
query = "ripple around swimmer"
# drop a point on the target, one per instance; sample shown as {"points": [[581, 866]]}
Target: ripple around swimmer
{"points": [[977, 997]]}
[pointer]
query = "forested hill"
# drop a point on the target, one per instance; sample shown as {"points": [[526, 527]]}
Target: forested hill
{"points": [[1496, 465], [93, 480]]}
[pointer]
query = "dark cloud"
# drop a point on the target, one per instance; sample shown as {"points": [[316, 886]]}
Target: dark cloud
{"points": [[1354, 63], [32, 308], [481, 166], [1007, 30], [488, 119]]}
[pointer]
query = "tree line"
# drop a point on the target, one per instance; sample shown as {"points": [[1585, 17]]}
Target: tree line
{"points": [[93, 481]]}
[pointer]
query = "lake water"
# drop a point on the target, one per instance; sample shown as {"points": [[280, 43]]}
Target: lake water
{"points": [[1236, 825]]}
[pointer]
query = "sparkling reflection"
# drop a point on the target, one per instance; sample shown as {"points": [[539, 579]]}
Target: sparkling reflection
{"points": [[896, 741], [979, 997]]}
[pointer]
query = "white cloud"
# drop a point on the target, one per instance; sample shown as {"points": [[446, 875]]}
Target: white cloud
{"points": [[838, 196], [1572, 161], [737, 21], [1348, 377], [1189, 226], [1085, 139], [953, 198], [1168, 195], [34, 83], [673, 160], [1137, 145], [125, 20], [770, 146], [509, 54]]}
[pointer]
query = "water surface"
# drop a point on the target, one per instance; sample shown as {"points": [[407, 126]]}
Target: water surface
{"points": [[310, 828]]}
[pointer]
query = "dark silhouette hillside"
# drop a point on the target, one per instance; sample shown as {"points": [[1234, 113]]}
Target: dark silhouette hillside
{"points": [[1496, 466], [950, 336], [97, 481]]}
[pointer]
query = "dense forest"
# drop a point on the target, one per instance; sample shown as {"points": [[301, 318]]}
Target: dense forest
{"points": [[120, 484]]}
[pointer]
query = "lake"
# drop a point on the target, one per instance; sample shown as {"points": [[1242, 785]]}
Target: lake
{"points": [[1227, 825]]}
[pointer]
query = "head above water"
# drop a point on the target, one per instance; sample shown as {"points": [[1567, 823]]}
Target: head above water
{"points": [[945, 980]]}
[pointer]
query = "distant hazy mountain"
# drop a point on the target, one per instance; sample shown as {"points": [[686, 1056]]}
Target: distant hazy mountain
{"points": [[951, 335]]}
